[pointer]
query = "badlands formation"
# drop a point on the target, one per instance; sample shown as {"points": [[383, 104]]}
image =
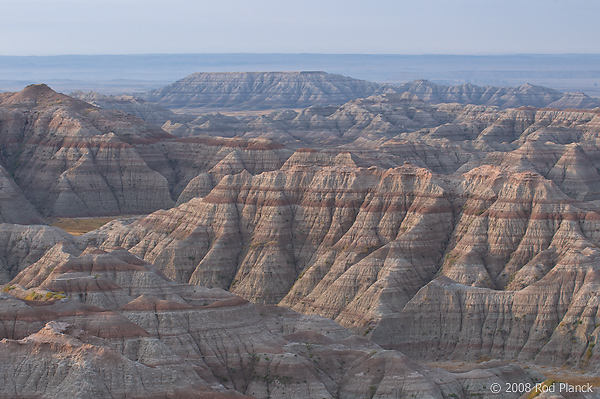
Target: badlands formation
{"points": [[261, 90], [274, 90], [341, 250]]}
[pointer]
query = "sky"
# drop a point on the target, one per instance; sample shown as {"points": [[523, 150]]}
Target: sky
{"points": [[480, 27]]}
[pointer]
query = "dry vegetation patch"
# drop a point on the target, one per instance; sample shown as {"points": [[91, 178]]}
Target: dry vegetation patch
{"points": [[79, 226]]}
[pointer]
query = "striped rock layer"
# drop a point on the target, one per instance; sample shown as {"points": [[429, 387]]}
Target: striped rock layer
{"points": [[378, 249], [100, 324]]}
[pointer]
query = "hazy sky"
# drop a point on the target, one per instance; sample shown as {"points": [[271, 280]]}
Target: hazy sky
{"points": [[50, 27]]}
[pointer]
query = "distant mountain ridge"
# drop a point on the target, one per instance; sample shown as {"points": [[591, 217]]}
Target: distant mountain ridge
{"points": [[262, 90], [272, 90], [466, 93]]}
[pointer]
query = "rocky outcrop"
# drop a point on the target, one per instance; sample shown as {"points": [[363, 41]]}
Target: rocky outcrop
{"points": [[548, 272], [185, 341], [73, 159], [70, 158], [200, 162], [390, 130], [260, 90], [362, 246], [136, 106], [212, 124], [575, 101], [526, 95], [64, 360], [374, 120], [469, 230], [272, 90], [23, 245]]}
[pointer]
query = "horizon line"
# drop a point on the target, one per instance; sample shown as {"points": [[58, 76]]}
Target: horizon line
{"points": [[308, 53]]}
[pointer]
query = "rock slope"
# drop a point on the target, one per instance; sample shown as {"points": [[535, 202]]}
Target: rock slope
{"points": [[24, 245], [527, 95], [261, 90], [389, 130], [136, 106], [445, 231], [14, 207], [70, 158], [366, 247], [399, 117], [118, 328], [273, 90]]}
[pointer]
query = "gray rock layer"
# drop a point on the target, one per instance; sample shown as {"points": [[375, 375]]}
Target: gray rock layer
{"points": [[122, 330], [261, 90]]}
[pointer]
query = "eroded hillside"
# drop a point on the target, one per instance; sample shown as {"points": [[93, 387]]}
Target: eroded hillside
{"points": [[438, 231]]}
